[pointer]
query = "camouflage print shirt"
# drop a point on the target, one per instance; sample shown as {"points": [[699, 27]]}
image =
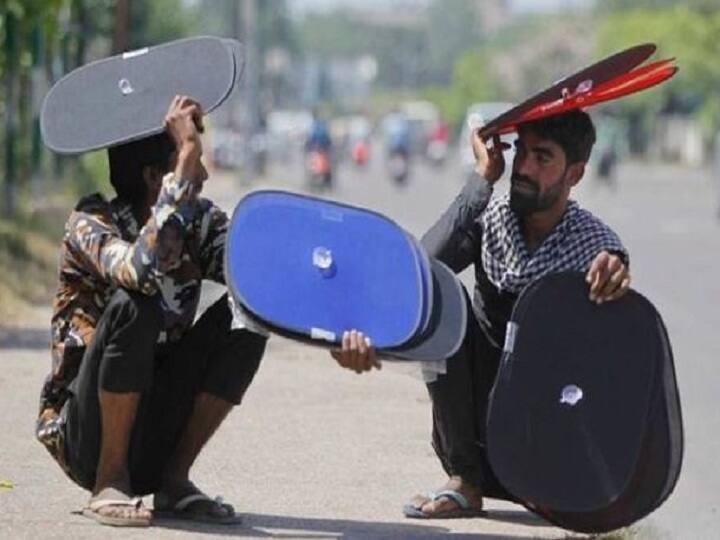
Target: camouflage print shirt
{"points": [[104, 249]]}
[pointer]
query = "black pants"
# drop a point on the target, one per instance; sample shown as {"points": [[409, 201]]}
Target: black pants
{"points": [[123, 357], [459, 408]]}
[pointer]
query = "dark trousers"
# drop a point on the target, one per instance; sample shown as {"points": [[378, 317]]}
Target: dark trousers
{"points": [[459, 408], [123, 357]]}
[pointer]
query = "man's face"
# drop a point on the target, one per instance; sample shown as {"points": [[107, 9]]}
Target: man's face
{"points": [[541, 177], [154, 176]]}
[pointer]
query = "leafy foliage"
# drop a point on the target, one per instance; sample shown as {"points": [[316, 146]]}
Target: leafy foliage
{"points": [[44, 39], [688, 32]]}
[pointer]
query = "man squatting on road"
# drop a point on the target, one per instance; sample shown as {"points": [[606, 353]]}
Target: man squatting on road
{"points": [[512, 240], [136, 390]]}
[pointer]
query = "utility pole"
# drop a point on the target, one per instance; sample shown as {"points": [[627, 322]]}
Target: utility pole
{"points": [[252, 81]]}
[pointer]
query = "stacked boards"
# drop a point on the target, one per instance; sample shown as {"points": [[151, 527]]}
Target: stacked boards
{"points": [[125, 97], [584, 425], [311, 269]]}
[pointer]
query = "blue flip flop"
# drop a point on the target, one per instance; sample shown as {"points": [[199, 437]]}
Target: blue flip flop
{"points": [[463, 509]]}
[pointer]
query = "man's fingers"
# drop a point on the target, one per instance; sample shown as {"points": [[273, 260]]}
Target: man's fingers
{"points": [[597, 274], [612, 284], [345, 351], [187, 101], [621, 290], [197, 116], [598, 282], [372, 357], [355, 360], [594, 265], [191, 107], [357, 352], [363, 358], [614, 264]]}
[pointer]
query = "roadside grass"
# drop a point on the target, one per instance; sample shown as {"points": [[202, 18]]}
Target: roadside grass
{"points": [[30, 242], [28, 262]]}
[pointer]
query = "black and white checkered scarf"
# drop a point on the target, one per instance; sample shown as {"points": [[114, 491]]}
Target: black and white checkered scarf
{"points": [[572, 245]]}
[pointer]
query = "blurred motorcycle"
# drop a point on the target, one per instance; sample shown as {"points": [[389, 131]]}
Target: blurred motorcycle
{"points": [[437, 152], [398, 166], [318, 170], [360, 153], [437, 147]]}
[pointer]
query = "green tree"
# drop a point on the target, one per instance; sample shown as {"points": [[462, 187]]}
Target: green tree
{"points": [[451, 28], [399, 49], [159, 21], [687, 33], [44, 39], [471, 82]]}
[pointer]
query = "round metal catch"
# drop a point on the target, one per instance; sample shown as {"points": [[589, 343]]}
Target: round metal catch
{"points": [[571, 395], [125, 87]]}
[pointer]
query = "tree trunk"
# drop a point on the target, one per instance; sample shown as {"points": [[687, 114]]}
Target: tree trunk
{"points": [[121, 35], [11, 63], [81, 24], [38, 89]]}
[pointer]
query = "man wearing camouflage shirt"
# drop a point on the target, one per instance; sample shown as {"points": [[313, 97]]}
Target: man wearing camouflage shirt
{"points": [[136, 390]]}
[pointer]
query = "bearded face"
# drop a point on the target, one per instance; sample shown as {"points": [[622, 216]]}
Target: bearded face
{"points": [[527, 197], [541, 177]]}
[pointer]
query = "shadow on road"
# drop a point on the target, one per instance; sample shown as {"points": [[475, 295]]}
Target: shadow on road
{"points": [[24, 338], [274, 526], [521, 517]]}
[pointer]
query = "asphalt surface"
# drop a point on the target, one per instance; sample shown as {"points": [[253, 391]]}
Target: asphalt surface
{"points": [[316, 451]]}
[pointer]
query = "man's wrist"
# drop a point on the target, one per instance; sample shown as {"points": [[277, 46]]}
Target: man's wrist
{"points": [[175, 189], [490, 179], [188, 153]]}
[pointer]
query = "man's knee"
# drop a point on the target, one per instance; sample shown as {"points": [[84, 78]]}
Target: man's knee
{"points": [[234, 365], [134, 323], [142, 312]]}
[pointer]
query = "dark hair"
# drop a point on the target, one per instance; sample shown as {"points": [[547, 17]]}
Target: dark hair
{"points": [[127, 162], [573, 131]]}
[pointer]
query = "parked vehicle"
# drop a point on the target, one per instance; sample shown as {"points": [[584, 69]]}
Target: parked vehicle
{"points": [[438, 144], [227, 149]]}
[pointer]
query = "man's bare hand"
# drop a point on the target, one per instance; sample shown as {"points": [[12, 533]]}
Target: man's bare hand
{"points": [[357, 353], [184, 123], [489, 158], [608, 277]]}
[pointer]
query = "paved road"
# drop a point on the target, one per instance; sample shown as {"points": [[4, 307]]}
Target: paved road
{"points": [[318, 452]]}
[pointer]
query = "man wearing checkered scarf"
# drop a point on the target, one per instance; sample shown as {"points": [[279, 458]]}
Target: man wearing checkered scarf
{"points": [[511, 240]]}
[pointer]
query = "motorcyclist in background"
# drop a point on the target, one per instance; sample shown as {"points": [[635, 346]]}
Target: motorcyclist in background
{"points": [[318, 148], [396, 129]]}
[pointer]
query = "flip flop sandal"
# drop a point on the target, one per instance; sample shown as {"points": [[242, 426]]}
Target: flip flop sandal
{"points": [[463, 510], [113, 497], [182, 510], [413, 510]]}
